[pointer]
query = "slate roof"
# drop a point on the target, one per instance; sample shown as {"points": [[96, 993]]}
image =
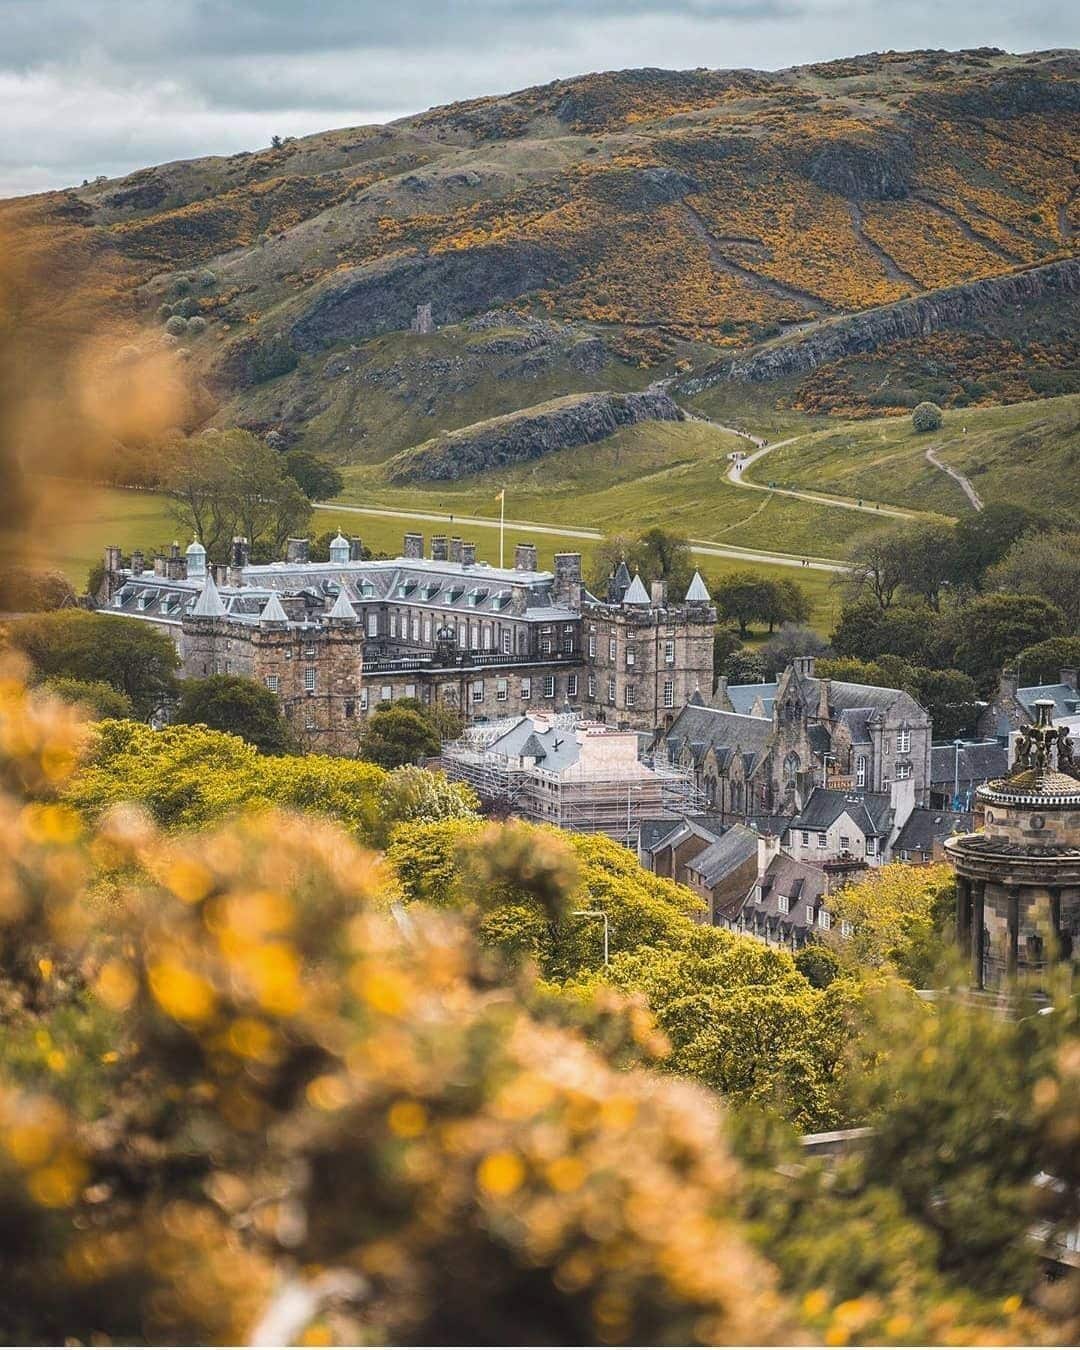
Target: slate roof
{"points": [[698, 591], [707, 828], [743, 696], [704, 727], [1065, 697], [272, 611], [870, 811], [729, 852], [556, 747], [857, 721], [923, 827], [980, 762], [208, 605], [636, 593], [800, 882]]}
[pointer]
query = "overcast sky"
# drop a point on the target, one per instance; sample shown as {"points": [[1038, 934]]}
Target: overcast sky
{"points": [[106, 86]]}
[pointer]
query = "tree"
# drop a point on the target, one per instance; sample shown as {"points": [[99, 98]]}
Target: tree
{"points": [[791, 641], [228, 483], [130, 656], [951, 699], [745, 666], [398, 733], [97, 699], [818, 964], [662, 555], [865, 631], [899, 917], [1042, 663], [24, 589], [926, 417], [1043, 564], [992, 629], [983, 538], [725, 644], [786, 603], [743, 597], [878, 564], [928, 559], [238, 705], [316, 477]]}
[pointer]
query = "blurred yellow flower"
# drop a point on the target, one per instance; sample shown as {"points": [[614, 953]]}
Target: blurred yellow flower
{"points": [[181, 993], [501, 1173], [407, 1119]]}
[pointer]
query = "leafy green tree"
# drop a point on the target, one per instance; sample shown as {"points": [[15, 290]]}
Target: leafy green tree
{"points": [[818, 964], [98, 699], [238, 705], [1043, 564], [24, 589], [1042, 663], [228, 483], [928, 554], [926, 417], [992, 629], [786, 603], [877, 566], [726, 643], [316, 477], [398, 733], [744, 666], [792, 640], [743, 597], [865, 631], [899, 917], [950, 697], [130, 656], [983, 538], [656, 554]]}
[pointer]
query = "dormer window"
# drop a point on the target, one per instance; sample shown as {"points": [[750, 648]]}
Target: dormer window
{"points": [[367, 589], [478, 595]]}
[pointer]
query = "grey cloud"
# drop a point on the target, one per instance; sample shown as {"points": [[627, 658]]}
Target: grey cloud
{"points": [[104, 86]]}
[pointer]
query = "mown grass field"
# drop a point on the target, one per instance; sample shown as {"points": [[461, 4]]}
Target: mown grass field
{"points": [[657, 473], [83, 520], [1021, 452]]}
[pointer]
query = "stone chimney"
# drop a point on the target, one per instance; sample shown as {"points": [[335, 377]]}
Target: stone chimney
{"points": [[175, 565], [455, 548], [658, 594], [356, 548], [768, 848], [159, 564], [138, 561], [804, 666], [902, 801], [519, 599], [1068, 676], [221, 574], [414, 546], [468, 555], [720, 695], [112, 558], [568, 580], [238, 560], [298, 550], [439, 548], [525, 558]]}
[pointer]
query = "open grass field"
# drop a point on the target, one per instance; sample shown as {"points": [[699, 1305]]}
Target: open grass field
{"points": [[657, 473], [1020, 452], [82, 520]]}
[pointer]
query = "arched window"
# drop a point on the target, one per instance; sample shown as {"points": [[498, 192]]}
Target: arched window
{"points": [[792, 765]]}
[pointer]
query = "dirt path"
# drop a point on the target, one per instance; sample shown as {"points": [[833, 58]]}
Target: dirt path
{"points": [[969, 492]]}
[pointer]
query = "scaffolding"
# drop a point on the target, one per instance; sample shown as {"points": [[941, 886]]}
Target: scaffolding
{"points": [[597, 793]]}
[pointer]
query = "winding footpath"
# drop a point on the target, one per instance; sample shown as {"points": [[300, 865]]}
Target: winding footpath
{"points": [[965, 484]]}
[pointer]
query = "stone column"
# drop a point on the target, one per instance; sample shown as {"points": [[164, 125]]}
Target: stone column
{"points": [[1013, 925], [963, 914], [977, 934]]}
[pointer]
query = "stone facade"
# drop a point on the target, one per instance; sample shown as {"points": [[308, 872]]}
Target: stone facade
{"points": [[447, 630]]}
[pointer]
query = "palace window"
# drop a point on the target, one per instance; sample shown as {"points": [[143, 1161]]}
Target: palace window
{"points": [[669, 693], [507, 638], [611, 690], [592, 686], [903, 742], [478, 691], [630, 695], [373, 625], [845, 842], [669, 652], [410, 691], [273, 683], [782, 904], [568, 640], [903, 771], [860, 771], [871, 847], [310, 675], [592, 644], [822, 839], [571, 686], [824, 919], [489, 638], [502, 689], [393, 623], [545, 646], [350, 707], [630, 656], [810, 913], [526, 688], [386, 694], [611, 648], [549, 686], [427, 629]]}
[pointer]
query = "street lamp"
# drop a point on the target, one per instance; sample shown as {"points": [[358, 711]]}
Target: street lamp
{"points": [[956, 775], [596, 914]]}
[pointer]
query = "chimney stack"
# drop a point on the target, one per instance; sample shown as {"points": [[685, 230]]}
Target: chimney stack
{"points": [[525, 558], [297, 551], [175, 565], [768, 848], [159, 564], [568, 580], [414, 546], [455, 548], [1068, 676], [658, 594], [356, 548], [239, 560], [468, 555], [804, 665], [439, 548], [221, 574], [138, 561]]}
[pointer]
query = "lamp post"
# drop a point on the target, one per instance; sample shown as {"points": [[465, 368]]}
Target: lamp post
{"points": [[956, 775], [595, 914]]}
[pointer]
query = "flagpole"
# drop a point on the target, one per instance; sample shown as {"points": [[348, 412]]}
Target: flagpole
{"points": [[502, 524]]}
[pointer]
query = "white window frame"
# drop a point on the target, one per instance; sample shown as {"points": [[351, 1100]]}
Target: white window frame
{"points": [[592, 686], [386, 693], [502, 690], [592, 644], [507, 641], [545, 646], [631, 657], [363, 700], [612, 648], [871, 847], [476, 691], [526, 687], [903, 742], [549, 686], [571, 686], [669, 693], [824, 919], [806, 838], [373, 624], [669, 651], [903, 772], [630, 696], [311, 679], [611, 689], [822, 839], [860, 771], [273, 683], [847, 928], [783, 904]]}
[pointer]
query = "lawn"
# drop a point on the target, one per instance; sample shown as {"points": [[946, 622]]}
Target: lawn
{"points": [[1020, 452]]}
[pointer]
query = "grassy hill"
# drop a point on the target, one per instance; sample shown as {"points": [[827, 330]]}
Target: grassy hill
{"points": [[1024, 452]]}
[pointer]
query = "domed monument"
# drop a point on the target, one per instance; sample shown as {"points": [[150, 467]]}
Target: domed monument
{"points": [[1018, 880]]}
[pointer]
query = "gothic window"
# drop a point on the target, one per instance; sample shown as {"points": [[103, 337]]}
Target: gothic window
{"points": [[792, 765]]}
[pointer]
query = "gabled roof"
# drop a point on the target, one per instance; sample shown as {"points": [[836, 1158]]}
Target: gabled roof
{"points": [[698, 592], [636, 594], [622, 574], [743, 696], [800, 882], [868, 810], [722, 858], [208, 605], [533, 749], [702, 727], [273, 612]]}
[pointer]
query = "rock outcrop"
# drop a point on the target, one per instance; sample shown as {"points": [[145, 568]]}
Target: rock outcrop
{"points": [[953, 307], [530, 434]]}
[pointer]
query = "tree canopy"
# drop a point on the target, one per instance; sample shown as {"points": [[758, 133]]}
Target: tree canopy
{"points": [[242, 706], [399, 733]]}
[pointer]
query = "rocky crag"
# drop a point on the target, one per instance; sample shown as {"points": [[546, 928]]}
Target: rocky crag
{"points": [[530, 434]]}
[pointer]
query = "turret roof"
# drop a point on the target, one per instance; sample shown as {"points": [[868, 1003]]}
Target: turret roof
{"points": [[637, 594], [209, 604], [273, 611], [698, 591]]}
